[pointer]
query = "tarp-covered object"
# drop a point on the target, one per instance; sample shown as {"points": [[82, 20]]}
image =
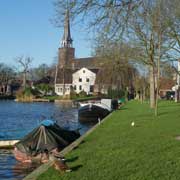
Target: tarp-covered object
{"points": [[46, 137]]}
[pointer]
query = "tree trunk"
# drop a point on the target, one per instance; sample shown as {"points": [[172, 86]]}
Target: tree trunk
{"points": [[158, 70], [157, 92], [177, 94], [152, 86], [141, 96], [144, 93], [24, 80]]}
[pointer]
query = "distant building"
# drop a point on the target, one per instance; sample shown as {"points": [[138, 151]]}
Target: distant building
{"points": [[166, 85], [78, 74]]}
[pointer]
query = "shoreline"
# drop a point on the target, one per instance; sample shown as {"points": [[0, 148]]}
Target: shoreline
{"points": [[7, 97], [33, 100]]}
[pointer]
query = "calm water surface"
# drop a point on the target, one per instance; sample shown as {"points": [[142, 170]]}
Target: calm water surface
{"points": [[17, 119]]}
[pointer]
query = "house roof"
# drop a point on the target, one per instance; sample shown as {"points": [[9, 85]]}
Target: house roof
{"points": [[65, 76], [92, 70], [45, 80]]}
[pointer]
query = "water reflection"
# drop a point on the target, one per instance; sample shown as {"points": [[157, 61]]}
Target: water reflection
{"points": [[20, 170], [10, 169], [17, 119]]}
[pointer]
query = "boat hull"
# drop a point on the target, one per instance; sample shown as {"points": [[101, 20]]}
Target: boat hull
{"points": [[92, 113]]}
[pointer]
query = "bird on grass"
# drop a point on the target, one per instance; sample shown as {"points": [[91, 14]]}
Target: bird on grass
{"points": [[133, 124]]}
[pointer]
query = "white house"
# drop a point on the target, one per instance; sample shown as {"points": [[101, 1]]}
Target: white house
{"points": [[63, 89], [63, 82], [83, 80]]}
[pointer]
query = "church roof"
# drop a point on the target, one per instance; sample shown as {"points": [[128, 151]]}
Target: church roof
{"points": [[89, 63], [94, 70]]}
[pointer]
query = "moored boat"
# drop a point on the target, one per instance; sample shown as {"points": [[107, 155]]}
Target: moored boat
{"points": [[43, 140], [94, 112]]}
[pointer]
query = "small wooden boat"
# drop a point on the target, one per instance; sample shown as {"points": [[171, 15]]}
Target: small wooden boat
{"points": [[7, 144], [93, 112]]}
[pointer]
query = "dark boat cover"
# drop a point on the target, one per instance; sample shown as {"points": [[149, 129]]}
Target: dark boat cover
{"points": [[46, 137]]}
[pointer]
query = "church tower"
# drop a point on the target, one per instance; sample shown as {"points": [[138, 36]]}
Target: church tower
{"points": [[66, 51]]}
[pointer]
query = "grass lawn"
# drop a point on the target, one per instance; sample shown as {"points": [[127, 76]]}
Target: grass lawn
{"points": [[117, 151], [51, 98]]}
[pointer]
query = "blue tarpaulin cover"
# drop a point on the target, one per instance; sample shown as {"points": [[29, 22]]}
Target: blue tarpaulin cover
{"points": [[47, 122]]}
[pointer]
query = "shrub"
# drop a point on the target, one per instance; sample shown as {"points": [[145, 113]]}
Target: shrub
{"points": [[82, 94], [45, 88], [73, 94], [26, 95]]}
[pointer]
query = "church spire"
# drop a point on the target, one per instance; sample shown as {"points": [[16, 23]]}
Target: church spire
{"points": [[67, 40]]}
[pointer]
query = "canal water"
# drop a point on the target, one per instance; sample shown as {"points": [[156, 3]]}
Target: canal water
{"points": [[18, 119]]}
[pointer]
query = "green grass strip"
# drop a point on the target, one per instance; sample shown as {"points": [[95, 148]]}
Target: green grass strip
{"points": [[116, 150]]}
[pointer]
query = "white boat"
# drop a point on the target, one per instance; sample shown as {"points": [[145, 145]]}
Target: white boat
{"points": [[93, 112]]}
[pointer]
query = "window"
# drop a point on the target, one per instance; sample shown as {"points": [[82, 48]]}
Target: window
{"points": [[80, 79], [75, 87], [87, 79], [80, 87], [84, 71], [91, 88]]}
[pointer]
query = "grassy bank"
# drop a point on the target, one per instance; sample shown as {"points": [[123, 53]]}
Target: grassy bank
{"points": [[115, 150]]}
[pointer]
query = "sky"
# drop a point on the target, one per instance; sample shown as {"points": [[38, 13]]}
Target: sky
{"points": [[26, 29]]}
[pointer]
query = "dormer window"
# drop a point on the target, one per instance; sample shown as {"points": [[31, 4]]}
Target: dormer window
{"points": [[84, 71]]}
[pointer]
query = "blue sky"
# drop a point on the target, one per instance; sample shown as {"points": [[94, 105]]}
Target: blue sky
{"points": [[26, 29]]}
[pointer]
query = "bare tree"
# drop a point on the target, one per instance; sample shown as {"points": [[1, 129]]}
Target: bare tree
{"points": [[139, 22], [25, 63], [40, 72], [116, 69], [148, 31], [108, 17], [173, 22], [7, 75]]}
